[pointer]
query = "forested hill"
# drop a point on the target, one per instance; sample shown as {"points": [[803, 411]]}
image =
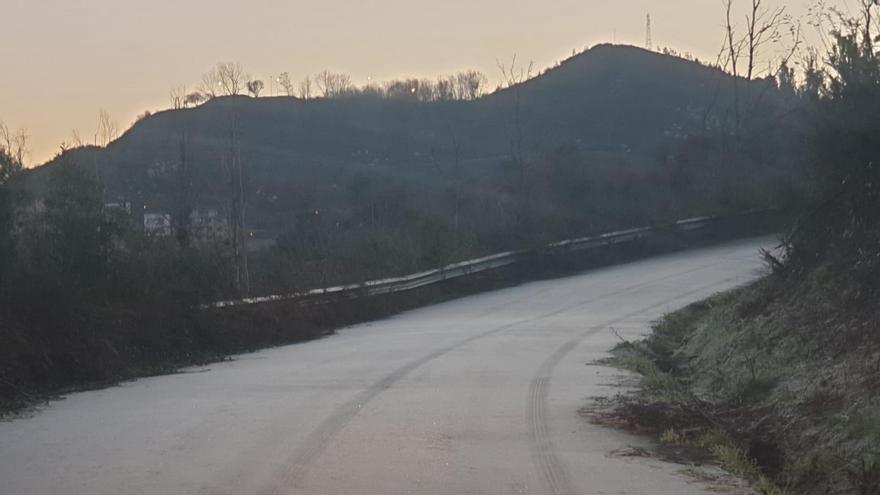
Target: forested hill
{"points": [[614, 109], [353, 188]]}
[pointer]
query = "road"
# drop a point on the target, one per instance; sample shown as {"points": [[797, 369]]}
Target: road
{"points": [[476, 395]]}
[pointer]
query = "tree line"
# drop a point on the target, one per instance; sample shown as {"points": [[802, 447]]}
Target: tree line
{"points": [[230, 79]]}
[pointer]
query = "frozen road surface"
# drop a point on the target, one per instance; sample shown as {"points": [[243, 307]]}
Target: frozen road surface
{"points": [[477, 395]]}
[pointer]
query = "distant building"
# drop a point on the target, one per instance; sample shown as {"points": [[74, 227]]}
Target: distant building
{"points": [[28, 213], [208, 226], [157, 225]]}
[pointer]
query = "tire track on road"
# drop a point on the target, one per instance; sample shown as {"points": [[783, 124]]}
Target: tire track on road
{"points": [[295, 468], [550, 468]]}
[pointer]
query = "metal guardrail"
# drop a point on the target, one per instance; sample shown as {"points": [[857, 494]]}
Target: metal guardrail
{"points": [[465, 268]]}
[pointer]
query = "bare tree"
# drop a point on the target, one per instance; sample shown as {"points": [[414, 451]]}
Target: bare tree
{"points": [[333, 84], [177, 96], [733, 44], [323, 81], [445, 89], [513, 75], [467, 85], [76, 138], [232, 78], [284, 82], [108, 129], [406, 89], [426, 90], [21, 146], [255, 87], [763, 27], [15, 143], [226, 79], [867, 13], [470, 84], [305, 88], [210, 84]]}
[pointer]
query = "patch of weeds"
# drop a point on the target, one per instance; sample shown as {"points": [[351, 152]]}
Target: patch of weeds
{"points": [[670, 333], [726, 454], [765, 383], [734, 460], [657, 385], [864, 475], [696, 436], [710, 438], [673, 437], [679, 445]]}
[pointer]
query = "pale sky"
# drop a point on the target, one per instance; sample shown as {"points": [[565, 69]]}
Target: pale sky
{"points": [[63, 60]]}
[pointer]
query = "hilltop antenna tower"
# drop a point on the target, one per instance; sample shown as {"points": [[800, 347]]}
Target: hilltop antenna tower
{"points": [[649, 41]]}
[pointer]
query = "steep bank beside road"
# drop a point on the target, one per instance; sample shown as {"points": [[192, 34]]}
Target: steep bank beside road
{"points": [[781, 380]]}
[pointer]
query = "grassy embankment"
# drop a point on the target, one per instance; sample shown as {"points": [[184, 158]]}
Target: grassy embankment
{"points": [[778, 381]]}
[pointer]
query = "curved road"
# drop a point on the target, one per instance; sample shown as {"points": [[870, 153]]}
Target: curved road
{"points": [[477, 395]]}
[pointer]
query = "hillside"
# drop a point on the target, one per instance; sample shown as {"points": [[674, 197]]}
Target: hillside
{"points": [[610, 111], [350, 189]]}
